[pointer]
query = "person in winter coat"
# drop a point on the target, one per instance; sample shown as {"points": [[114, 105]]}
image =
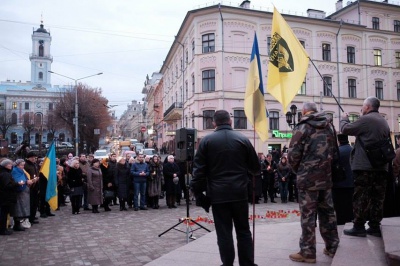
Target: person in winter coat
{"points": [[22, 207], [155, 181], [75, 181], [8, 196], [122, 182], [311, 151], [108, 182], [95, 186], [284, 170], [140, 173], [171, 177], [32, 169]]}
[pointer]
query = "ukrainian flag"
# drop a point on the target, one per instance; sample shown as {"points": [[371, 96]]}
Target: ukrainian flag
{"points": [[49, 170], [254, 103]]}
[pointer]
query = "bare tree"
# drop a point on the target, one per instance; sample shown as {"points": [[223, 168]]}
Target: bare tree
{"points": [[93, 114], [5, 122], [28, 124]]}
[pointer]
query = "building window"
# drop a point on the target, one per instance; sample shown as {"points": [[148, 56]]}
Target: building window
{"points": [[40, 75], [26, 106], [182, 64], [379, 89], [51, 106], [239, 118], [302, 89], [186, 89], [326, 52], [351, 55], [397, 59], [273, 120], [375, 23], [377, 57], [352, 88], [268, 45], [398, 90], [186, 56], [353, 117], [208, 117], [328, 86], [41, 48], [14, 118], [208, 80], [193, 48], [1, 106], [397, 26], [208, 41], [193, 83], [14, 105]]}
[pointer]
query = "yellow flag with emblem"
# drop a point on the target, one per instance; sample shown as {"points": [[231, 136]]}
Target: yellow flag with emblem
{"points": [[288, 62]]}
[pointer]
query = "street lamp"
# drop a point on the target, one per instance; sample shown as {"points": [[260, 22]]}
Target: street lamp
{"points": [[76, 105], [291, 116]]}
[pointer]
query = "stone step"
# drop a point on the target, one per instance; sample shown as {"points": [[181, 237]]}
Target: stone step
{"points": [[391, 240], [359, 251]]}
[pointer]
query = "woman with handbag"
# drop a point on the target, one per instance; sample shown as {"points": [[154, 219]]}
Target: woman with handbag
{"points": [[95, 185], [75, 182]]}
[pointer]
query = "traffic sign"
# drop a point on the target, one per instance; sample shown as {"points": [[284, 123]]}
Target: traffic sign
{"points": [[143, 129]]}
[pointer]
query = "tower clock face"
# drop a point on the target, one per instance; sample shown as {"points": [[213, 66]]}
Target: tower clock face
{"points": [[40, 65]]}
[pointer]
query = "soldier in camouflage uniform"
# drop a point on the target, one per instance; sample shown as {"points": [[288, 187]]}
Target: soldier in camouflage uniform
{"points": [[311, 151], [369, 182]]}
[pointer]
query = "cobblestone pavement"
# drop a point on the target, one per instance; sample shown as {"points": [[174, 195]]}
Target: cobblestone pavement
{"points": [[110, 238]]}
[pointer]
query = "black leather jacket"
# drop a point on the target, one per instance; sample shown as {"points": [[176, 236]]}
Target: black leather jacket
{"points": [[222, 165]]}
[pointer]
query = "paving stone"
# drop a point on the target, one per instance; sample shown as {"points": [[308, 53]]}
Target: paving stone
{"points": [[110, 238]]}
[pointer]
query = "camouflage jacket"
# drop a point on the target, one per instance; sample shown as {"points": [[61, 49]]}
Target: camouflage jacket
{"points": [[311, 151]]}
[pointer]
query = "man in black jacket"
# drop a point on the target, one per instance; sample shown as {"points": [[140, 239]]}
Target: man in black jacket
{"points": [[222, 165], [32, 169]]}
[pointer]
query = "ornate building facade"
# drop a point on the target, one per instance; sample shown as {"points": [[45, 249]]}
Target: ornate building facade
{"points": [[356, 50], [25, 106]]}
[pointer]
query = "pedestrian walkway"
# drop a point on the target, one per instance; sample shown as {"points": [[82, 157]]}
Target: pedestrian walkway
{"points": [[118, 237]]}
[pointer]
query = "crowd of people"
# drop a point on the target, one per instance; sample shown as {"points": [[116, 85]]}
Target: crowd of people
{"points": [[131, 182]]}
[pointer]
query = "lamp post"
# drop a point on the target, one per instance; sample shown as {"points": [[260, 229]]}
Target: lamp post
{"points": [[183, 79], [291, 116], [76, 105]]}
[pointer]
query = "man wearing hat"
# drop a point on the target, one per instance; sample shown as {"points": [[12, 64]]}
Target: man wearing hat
{"points": [[33, 171], [342, 191]]}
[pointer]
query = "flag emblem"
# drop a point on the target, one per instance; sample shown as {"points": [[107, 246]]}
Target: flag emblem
{"points": [[281, 57]]}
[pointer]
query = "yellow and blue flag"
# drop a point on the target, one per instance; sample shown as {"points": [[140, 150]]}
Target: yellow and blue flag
{"points": [[288, 62], [254, 103], [49, 170]]}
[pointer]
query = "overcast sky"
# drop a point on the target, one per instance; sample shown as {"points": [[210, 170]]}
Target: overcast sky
{"points": [[124, 39]]}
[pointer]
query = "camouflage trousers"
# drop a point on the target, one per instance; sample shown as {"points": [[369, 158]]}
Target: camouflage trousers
{"points": [[313, 202], [369, 194]]}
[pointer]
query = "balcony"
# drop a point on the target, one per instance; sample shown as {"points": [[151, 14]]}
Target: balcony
{"points": [[36, 56], [174, 112]]}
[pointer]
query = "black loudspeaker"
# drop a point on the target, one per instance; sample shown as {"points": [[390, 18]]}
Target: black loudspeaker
{"points": [[184, 144]]}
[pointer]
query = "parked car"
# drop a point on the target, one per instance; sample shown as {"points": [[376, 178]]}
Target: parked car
{"points": [[149, 152], [100, 154], [139, 147]]}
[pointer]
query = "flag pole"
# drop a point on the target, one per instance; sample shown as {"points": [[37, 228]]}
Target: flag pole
{"points": [[327, 85], [254, 190]]}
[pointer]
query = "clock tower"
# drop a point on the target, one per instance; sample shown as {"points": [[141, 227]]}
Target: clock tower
{"points": [[40, 57]]}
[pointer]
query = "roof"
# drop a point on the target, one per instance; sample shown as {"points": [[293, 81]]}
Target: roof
{"points": [[42, 29]]}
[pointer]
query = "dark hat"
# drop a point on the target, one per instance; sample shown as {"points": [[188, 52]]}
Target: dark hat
{"points": [[95, 161], [31, 154], [342, 138]]}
